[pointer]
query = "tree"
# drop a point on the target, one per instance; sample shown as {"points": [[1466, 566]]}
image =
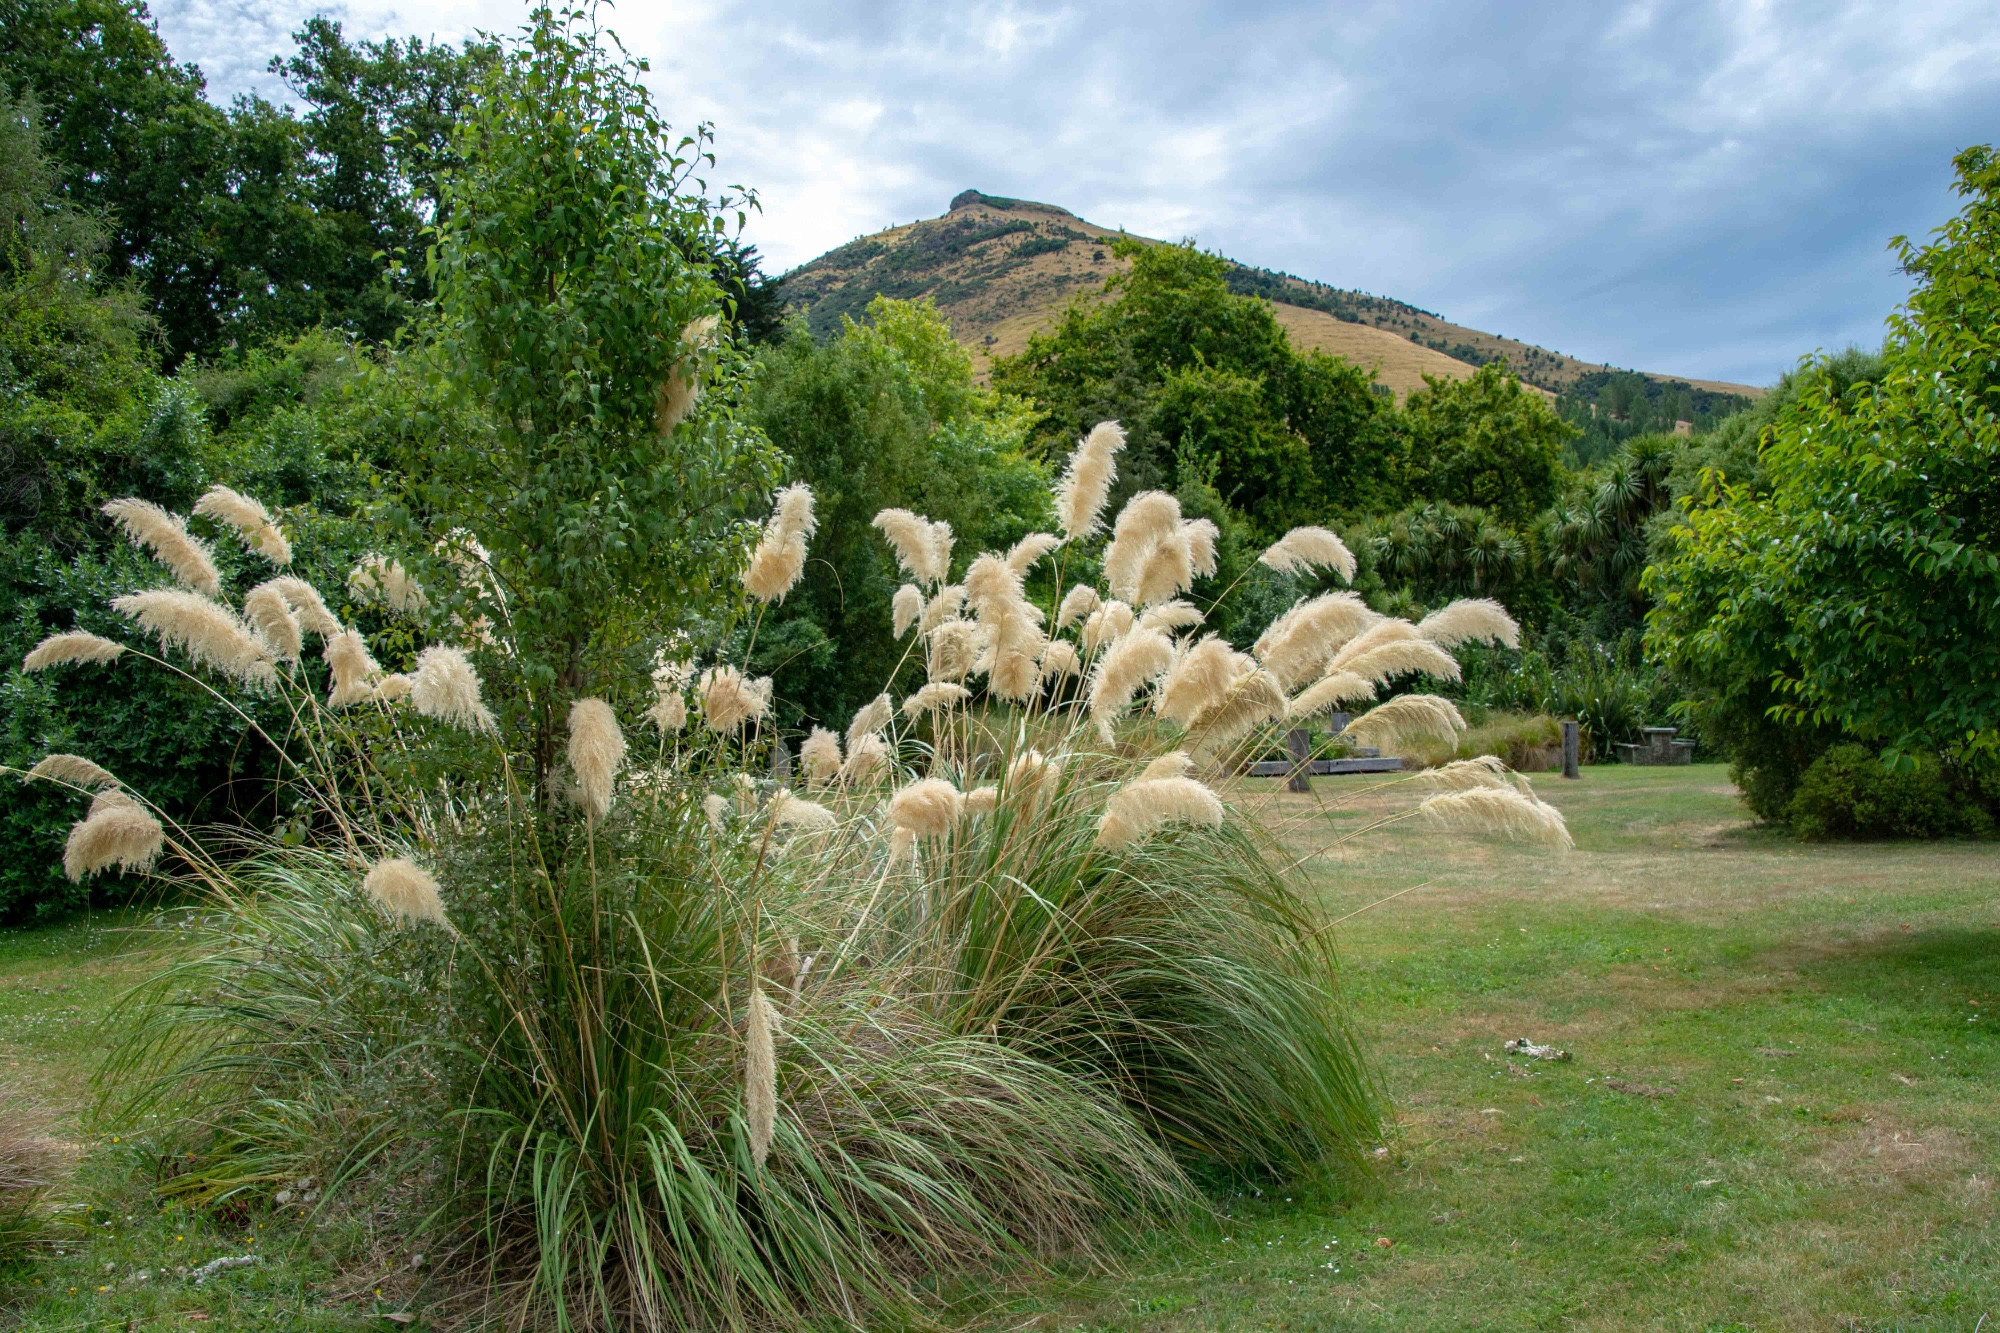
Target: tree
{"points": [[1861, 590], [1485, 441], [572, 333]]}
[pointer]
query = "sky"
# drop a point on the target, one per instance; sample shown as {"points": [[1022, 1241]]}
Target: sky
{"points": [[1705, 190]]}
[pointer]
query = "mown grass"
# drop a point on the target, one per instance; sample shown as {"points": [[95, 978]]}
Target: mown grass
{"points": [[1779, 1112]]}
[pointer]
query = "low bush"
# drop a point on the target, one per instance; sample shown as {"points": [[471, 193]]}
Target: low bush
{"points": [[1526, 743], [1848, 792], [27, 1168]]}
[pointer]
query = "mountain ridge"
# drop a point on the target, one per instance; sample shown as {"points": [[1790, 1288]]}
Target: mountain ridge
{"points": [[1002, 269]]}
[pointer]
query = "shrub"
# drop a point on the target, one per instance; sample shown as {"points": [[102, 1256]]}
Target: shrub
{"points": [[1848, 792]]}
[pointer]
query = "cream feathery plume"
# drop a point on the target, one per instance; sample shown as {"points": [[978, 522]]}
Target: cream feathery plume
{"points": [[934, 697], [118, 831], [307, 605], [404, 889], [868, 759], [729, 699], [873, 716], [1125, 668], [354, 669], [1148, 519], [378, 578], [1407, 720], [982, 800], [1059, 659], [1303, 548], [596, 754], [954, 650], [669, 711], [1013, 626], [1023, 555], [1342, 687], [249, 520], [1202, 536], [991, 584], [73, 769], [1107, 624], [444, 686], [394, 687], [1077, 603], [1505, 811], [206, 631], [1170, 616], [902, 848], [819, 758], [271, 612], [166, 536], [1470, 620], [926, 807], [795, 812], [1138, 810], [1199, 680], [677, 394], [715, 809], [910, 536], [71, 646], [906, 608], [1031, 769], [1168, 571], [1480, 771], [1086, 481], [941, 543], [1300, 643], [1379, 632], [1401, 658], [780, 558], [1254, 698], [944, 605], [1172, 764]]}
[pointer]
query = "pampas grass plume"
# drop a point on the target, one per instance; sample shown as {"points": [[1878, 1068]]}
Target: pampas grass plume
{"points": [[1402, 657], [760, 1075], [926, 807], [1086, 481], [1470, 620], [1503, 811], [867, 759], [1300, 642], [354, 669], [249, 520], [206, 631], [1023, 555], [1406, 720], [166, 536], [1377, 634], [118, 831], [1059, 659], [715, 808], [902, 847], [780, 558], [406, 890], [308, 605], [916, 547], [1172, 764], [1107, 624], [1342, 687], [1134, 812], [729, 699], [1077, 603], [73, 769], [1254, 698], [819, 757], [906, 609], [1171, 616], [377, 577], [982, 800], [1465, 774], [933, 697], [393, 688], [873, 716], [271, 612], [1303, 548], [71, 646], [1198, 680], [1167, 572], [954, 650], [1127, 665], [795, 812], [1202, 536], [444, 686], [669, 711], [596, 753], [1147, 520]]}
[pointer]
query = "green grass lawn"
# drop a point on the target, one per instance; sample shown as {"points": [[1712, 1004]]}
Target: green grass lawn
{"points": [[1779, 1111]]}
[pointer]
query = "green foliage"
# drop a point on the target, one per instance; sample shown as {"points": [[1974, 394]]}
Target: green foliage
{"points": [[1435, 552], [1596, 535], [1609, 408], [1862, 591], [883, 415], [568, 322], [1848, 793], [1485, 441]]}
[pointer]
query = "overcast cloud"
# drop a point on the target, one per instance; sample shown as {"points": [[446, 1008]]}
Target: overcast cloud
{"points": [[1705, 189]]}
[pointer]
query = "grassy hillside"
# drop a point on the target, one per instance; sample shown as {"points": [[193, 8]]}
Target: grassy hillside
{"points": [[1002, 269]]}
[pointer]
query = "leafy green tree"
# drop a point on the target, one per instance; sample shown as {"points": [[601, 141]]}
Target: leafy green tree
{"points": [[1596, 535], [1486, 441], [884, 414], [1861, 591], [568, 335]]}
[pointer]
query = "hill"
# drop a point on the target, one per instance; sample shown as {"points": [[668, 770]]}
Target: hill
{"points": [[1002, 269]]}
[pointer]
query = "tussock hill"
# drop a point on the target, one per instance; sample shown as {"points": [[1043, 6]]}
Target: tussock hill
{"points": [[1002, 269]]}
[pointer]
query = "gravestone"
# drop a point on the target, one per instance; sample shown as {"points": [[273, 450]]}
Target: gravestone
{"points": [[781, 762]]}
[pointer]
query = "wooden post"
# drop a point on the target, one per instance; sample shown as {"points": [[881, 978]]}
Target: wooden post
{"points": [[1298, 742], [1569, 750], [781, 761], [1337, 720]]}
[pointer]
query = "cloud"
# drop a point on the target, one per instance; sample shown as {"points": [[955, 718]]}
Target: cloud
{"points": [[1706, 189]]}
